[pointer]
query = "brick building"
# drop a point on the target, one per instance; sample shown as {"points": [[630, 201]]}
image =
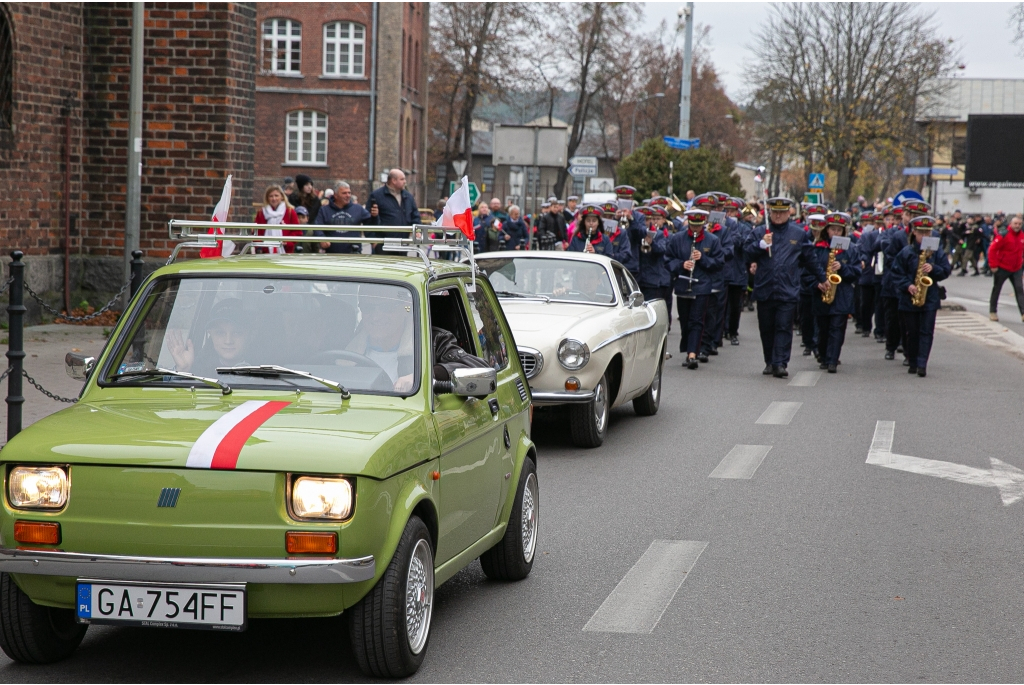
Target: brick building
{"points": [[334, 103], [64, 83]]}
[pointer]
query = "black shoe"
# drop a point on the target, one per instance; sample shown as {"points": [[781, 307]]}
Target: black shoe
{"points": [[713, 352], [734, 340], [703, 358], [890, 355], [906, 362], [899, 349], [879, 339], [822, 365], [921, 371], [691, 363], [962, 273], [858, 329], [912, 369], [865, 334], [808, 351], [779, 372], [768, 370], [832, 368], [975, 274], [750, 307]]}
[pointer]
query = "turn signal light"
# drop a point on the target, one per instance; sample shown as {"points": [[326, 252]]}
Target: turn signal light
{"points": [[572, 384], [311, 543], [37, 533]]}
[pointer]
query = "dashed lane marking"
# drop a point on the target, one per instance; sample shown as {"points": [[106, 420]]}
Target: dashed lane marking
{"points": [[779, 413], [640, 599], [741, 462], [805, 379]]}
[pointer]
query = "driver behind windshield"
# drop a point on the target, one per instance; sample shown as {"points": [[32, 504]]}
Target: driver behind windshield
{"points": [[586, 282], [224, 342], [385, 333]]}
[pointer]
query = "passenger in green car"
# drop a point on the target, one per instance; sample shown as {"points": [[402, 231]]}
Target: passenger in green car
{"points": [[225, 342]]}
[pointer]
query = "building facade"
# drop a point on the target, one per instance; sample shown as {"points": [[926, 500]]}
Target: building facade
{"points": [[341, 93]]}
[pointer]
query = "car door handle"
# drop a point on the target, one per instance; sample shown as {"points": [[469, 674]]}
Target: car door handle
{"points": [[495, 407]]}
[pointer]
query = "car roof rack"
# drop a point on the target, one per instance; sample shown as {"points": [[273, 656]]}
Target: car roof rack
{"points": [[423, 239]]}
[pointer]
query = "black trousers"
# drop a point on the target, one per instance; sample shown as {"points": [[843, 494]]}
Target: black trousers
{"points": [[879, 311], [653, 292], [893, 324], [867, 305], [920, 331], [831, 335], [733, 307], [713, 322], [692, 311], [999, 277], [807, 337], [775, 323]]}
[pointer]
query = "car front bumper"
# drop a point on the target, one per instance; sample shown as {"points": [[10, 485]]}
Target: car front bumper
{"points": [[549, 398], [322, 570]]}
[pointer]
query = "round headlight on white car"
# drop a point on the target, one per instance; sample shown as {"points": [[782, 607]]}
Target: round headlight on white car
{"points": [[573, 354]]}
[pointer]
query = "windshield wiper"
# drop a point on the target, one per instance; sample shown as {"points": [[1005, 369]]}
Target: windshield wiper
{"points": [[212, 382], [530, 296], [273, 371]]}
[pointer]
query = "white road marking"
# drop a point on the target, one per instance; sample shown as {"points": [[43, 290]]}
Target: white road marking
{"points": [[741, 462], [1007, 478], [805, 379], [640, 599], [779, 413]]}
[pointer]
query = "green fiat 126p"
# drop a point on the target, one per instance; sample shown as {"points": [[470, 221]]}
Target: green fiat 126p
{"points": [[277, 435]]}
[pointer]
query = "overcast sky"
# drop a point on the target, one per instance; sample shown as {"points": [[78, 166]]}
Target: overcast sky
{"points": [[979, 28]]}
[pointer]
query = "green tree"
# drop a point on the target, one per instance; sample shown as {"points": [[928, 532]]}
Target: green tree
{"points": [[700, 170]]}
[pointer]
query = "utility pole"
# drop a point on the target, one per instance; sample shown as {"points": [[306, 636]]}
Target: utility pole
{"points": [[133, 192], [684, 91]]}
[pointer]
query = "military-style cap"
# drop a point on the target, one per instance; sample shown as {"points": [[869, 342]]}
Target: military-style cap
{"points": [[697, 217], [720, 197], [646, 211], [888, 210], [923, 223], [552, 200], [867, 217], [625, 192], [609, 209], [840, 219], [706, 201], [660, 211], [590, 210], [816, 222], [573, 197], [916, 207], [659, 201], [779, 204], [814, 208], [736, 203], [545, 205]]}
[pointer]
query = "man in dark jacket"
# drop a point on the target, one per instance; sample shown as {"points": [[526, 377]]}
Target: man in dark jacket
{"points": [[395, 205], [341, 211]]}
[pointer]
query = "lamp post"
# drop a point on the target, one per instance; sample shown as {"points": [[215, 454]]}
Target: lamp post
{"points": [[632, 133]]}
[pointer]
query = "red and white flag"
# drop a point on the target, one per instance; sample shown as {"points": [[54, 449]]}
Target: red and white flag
{"points": [[220, 213], [219, 445], [458, 211]]}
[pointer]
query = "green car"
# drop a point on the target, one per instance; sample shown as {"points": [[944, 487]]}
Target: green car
{"points": [[272, 436]]}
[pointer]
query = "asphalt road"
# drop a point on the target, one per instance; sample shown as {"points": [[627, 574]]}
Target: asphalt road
{"points": [[818, 567]]}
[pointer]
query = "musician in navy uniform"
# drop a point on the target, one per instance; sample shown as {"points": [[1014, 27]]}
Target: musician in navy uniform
{"points": [[831, 318], [780, 253], [695, 255], [893, 242], [589, 236]]}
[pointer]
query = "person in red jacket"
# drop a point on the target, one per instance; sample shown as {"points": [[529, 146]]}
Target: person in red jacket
{"points": [[1006, 258], [276, 211]]}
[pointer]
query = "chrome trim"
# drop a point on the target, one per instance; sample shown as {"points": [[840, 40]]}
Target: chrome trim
{"points": [[582, 397], [620, 336], [537, 354], [315, 570]]}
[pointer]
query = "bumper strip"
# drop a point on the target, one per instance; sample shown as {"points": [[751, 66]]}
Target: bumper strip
{"points": [[541, 398], [321, 570]]}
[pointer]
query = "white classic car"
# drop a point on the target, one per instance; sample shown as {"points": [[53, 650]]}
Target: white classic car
{"points": [[586, 337]]}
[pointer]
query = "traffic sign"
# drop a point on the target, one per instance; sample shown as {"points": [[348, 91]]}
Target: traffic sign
{"points": [[815, 198], [816, 181], [474, 191], [682, 143], [582, 170], [583, 161], [905, 195]]}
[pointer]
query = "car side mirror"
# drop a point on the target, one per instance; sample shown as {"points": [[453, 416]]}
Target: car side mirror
{"points": [[78, 366], [474, 382], [636, 298]]}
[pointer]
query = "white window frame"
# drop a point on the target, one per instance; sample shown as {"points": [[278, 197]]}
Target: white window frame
{"points": [[282, 47], [306, 126], [352, 48]]}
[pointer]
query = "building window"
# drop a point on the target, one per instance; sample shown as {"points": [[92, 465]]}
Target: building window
{"points": [[487, 177], [959, 151], [6, 72], [579, 185], [440, 171], [282, 46], [344, 47], [307, 138]]}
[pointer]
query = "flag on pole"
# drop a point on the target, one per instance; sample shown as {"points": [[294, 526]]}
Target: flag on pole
{"points": [[458, 211], [220, 213]]}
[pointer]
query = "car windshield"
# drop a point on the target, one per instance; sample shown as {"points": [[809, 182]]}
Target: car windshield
{"points": [[361, 335], [570, 280]]}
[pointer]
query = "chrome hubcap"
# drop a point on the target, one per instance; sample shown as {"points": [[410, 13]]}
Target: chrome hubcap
{"points": [[530, 517], [419, 596], [600, 407], [656, 384]]}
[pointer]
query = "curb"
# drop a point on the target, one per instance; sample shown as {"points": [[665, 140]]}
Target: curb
{"points": [[981, 329]]}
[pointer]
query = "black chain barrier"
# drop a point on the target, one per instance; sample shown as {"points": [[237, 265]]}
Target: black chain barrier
{"points": [[87, 317], [35, 384], [3, 289]]}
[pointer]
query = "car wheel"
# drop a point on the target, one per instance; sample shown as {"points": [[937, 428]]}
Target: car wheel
{"points": [[648, 403], [390, 626], [588, 423], [512, 558], [34, 634]]}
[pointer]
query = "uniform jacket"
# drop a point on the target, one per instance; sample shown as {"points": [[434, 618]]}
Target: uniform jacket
{"points": [[904, 272], [893, 242], [680, 246], [868, 246], [849, 271], [648, 268], [778, 276], [735, 271], [1007, 251], [620, 247], [600, 242], [725, 239]]}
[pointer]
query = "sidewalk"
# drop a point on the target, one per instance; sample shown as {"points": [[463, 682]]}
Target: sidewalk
{"points": [[45, 347]]}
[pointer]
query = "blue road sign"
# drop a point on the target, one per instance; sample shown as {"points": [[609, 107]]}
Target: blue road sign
{"points": [[682, 143], [816, 181], [905, 195]]}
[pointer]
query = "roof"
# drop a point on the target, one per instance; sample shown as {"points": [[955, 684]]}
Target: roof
{"points": [[547, 254], [953, 99], [399, 268]]}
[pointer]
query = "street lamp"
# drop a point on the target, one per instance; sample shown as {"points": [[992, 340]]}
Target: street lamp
{"points": [[632, 133]]}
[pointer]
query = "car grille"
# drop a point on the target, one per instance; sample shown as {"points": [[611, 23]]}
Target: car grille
{"points": [[531, 361]]}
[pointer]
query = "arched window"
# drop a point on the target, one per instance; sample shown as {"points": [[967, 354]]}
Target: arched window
{"points": [[306, 138], [282, 46], [6, 71], [344, 47]]}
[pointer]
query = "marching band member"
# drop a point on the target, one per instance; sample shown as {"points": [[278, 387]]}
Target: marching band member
{"points": [[618, 237], [887, 222], [814, 225], [647, 248], [831, 316], [867, 246], [716, 301], [695, 255], [780, 253], [735, 269], [908, 270], [589, 236], [893, 242]]}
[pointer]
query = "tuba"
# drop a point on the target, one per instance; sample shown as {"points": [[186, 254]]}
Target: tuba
{"points": [[921, 280], [829, 296]]}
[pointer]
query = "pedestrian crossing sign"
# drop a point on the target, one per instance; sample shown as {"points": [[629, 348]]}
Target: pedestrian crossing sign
{"points": [[816, 181]]}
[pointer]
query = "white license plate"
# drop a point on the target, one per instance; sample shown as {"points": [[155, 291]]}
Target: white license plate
{"points": [[162, 605]]}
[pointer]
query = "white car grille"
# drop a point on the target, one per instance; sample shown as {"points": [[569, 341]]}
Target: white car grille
{"points": [[531, 360]]}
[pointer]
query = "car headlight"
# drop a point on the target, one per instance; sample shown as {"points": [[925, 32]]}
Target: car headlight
{"points": [[573, 354], [322, 498], [38, 487]]}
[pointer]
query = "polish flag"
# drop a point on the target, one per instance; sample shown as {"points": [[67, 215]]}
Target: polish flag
{"points": [[220, 444], [458, 211], [220, 213]]}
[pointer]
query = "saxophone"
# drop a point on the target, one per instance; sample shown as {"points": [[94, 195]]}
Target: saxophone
{"points": [[921, 280], [829, 296]]}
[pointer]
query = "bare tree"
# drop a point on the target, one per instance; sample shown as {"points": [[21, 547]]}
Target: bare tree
{"points": [[846, 75], [1017, 26]]}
